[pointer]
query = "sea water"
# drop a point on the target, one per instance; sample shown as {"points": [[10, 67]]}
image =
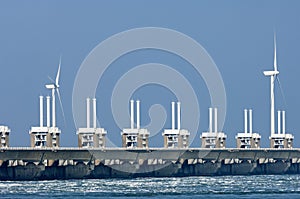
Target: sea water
{"points": [[264, 186]]}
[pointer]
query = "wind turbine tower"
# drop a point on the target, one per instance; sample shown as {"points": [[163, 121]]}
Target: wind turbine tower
{"points": [[47, 136], [54, 131], [279, 139]]}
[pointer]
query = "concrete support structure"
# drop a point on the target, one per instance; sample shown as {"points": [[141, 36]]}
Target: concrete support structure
{"points": [[132, 114], [66, 163], [48, 111], [173, 115], [281, 139], [91, 137], [53, 109], [94, 113], [88, 113], [248, 139], [44, 136], [210, 120], [54, 131], [138, 114], [4, 136], [135, 137], [53, 138], [178, 116], [176, 138], [41, 111], [214, 139], [250, 120]]}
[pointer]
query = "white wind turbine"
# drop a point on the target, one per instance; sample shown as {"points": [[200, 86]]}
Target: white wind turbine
{"points": [[273, 74], [55, 87]]}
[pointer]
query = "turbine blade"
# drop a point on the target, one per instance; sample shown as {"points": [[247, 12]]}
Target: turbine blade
{"points": [[51, 79], [61, 105], [58, 73], [275, 53], [281, 92]]}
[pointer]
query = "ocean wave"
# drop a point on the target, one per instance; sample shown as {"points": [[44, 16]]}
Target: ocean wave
{"points": [[187, 187]]}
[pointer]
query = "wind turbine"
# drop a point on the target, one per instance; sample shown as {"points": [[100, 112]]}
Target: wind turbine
{"points": [[273, 74], [55, 87]]}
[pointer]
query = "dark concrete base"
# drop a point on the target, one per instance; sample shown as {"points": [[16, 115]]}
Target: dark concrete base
{"points": [[74, 163], [82, 171]]}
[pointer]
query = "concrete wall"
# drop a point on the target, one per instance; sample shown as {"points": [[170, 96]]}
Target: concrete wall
{"points": [[219, 141], [288, 143], [79, 140], [165, 141], [203, 142], [83, 170], [32, 140], [253, 141], [96, 140], [180, 142], [124, 141], [43, 164], [140, 140]]}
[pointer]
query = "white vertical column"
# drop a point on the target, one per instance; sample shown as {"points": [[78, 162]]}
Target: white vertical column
{"points": [[216, 120], [53, 108], [210, 120], [250, 121], [41, 112], [94, 113], [88, 113], [138, 114], [48, 111], [246, 120], [178, 116], [283, 122], [173, 115], [272, 106], [131, 114], [279, 122]]}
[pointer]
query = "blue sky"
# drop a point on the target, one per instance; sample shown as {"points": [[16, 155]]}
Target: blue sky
{"points": [[238, 35]]}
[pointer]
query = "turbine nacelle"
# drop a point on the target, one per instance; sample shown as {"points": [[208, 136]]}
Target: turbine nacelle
{"points": [[50, 86], [271, 73]]}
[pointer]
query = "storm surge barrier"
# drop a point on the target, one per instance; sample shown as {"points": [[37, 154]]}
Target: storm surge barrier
{"points": [[77, 163]]}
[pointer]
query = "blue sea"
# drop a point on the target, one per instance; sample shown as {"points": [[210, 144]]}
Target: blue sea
{"points": [[271, 186]]}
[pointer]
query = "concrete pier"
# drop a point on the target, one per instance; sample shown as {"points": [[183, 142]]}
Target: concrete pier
{"points": [[78, 163]]}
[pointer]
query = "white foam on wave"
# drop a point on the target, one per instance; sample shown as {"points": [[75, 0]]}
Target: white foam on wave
{"points": [[157, 186]]}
